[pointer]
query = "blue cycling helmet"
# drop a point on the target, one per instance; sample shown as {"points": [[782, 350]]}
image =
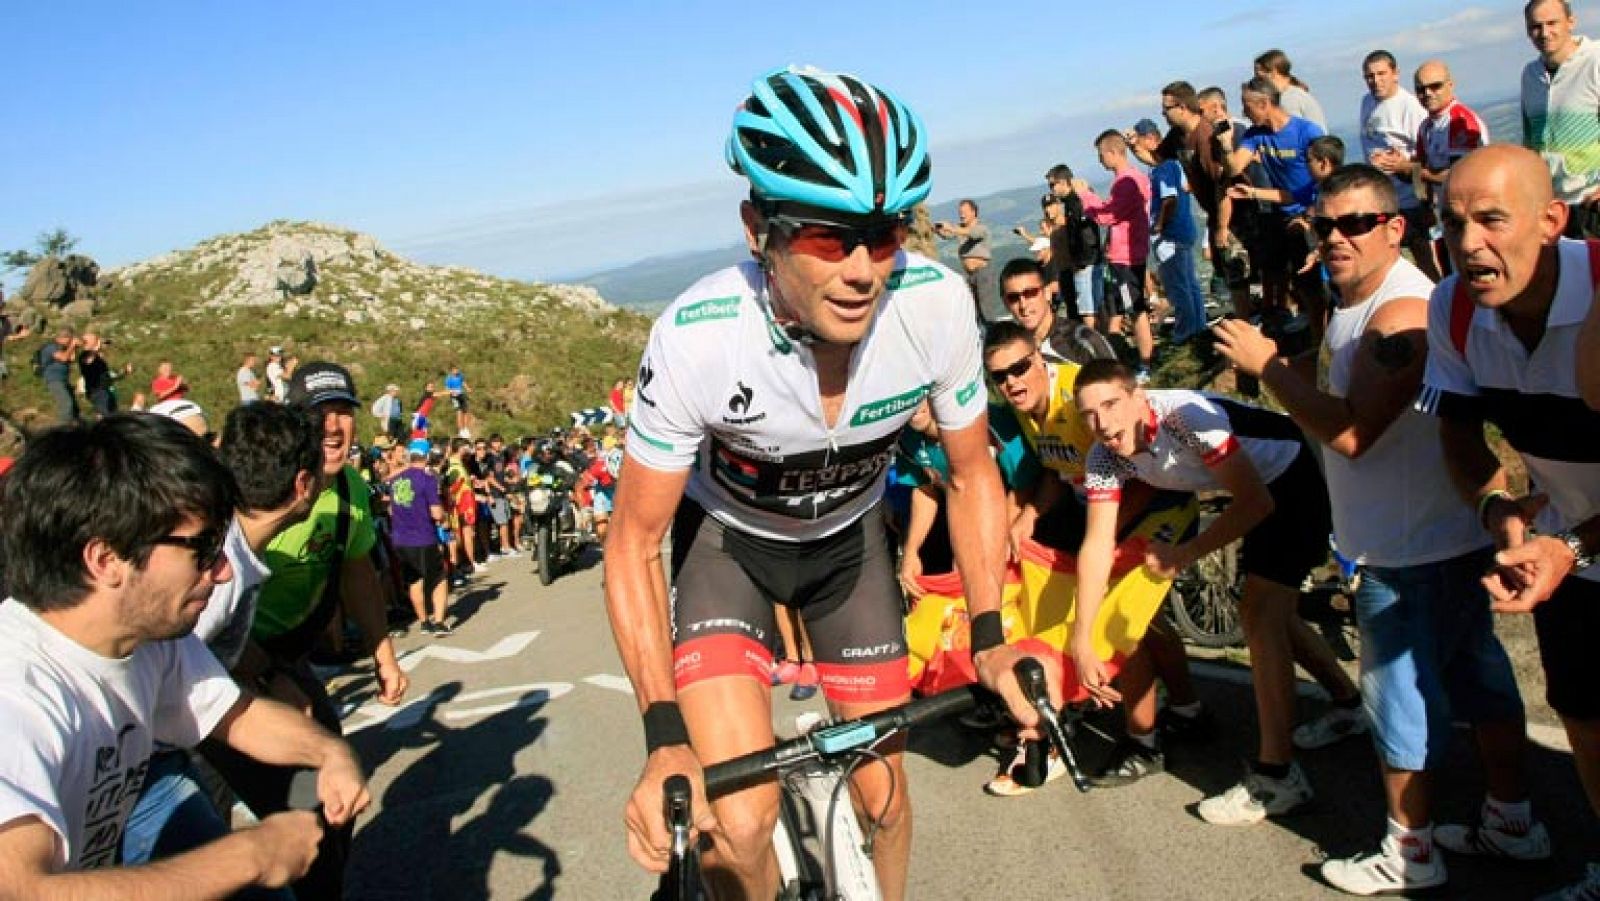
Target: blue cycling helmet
{"points": [[826, 144]]}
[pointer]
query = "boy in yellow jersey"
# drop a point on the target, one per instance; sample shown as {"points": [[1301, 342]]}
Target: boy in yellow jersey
{"points": [[1052, 512]]}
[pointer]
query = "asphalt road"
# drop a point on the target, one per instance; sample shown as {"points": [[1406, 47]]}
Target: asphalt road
{"points": [[505, 773]]}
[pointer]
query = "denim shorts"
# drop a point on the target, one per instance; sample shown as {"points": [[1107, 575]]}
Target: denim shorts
{"points": [[1429, 655], [1089, 285]]}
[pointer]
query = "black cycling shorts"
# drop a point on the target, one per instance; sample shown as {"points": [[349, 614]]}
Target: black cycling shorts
{"points": [[1125, 294], [1293, 540], [1567, 625], [421, 564], [725, 583]]}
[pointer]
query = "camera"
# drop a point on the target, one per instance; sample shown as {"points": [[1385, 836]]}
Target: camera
{"points": [[1223, 127]]}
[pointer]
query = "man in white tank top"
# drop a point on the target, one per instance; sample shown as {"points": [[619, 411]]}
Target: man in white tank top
{"points": [[1428, 643]]}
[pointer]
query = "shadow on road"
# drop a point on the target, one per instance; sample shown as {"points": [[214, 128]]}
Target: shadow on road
{"points": [[1347, 816], [456, 809]]}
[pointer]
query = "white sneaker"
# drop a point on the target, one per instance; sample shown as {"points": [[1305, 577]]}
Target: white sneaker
{"points": [[1484, 840], [1585, 889], [1335, 725], [1384, 871], [1257, 798]]}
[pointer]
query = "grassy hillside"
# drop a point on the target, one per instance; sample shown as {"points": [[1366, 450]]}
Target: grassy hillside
{"points": [[531, 352]]}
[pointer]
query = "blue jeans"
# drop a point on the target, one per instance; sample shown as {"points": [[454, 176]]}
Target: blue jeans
{"points": [[173, 815], [1428, 651], [1181, 279]]}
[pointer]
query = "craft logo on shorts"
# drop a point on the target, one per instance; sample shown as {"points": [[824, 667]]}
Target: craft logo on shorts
{"points": [[889, 406], [912, 277], [708, 310]]}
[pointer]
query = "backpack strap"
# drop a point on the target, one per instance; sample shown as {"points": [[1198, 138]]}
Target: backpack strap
{"points": [[1461, 310]]}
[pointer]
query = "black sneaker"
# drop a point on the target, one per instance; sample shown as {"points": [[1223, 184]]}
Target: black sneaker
{"points": [[1131, 761], [442, 628], [428, 627], [1174, 725]]}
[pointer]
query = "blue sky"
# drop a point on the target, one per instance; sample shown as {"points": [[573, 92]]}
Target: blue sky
{"points": [[546, 139]]}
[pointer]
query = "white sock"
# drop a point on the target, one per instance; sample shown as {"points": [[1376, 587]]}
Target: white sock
{"points": [[1415, 844]]}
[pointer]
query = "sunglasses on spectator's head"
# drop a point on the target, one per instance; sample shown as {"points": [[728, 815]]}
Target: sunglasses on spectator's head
{"points": [[1351, 225], [1025, 293], [833, 243], [207, 546], [1015, 371]]}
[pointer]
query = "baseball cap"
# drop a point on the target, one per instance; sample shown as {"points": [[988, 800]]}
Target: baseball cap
{"points": [[179, 409], [1146, 127], [419, 448], [275, 351], [321, 382]]}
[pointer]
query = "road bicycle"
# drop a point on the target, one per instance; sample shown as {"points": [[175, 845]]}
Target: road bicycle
{"points": [[822, 852]]}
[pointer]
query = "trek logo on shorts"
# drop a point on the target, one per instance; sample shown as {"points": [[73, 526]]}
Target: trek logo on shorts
{"points": [[910, 278], [708, 310], [867, 414]]}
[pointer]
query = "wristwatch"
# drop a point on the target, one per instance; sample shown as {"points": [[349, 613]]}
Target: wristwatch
{"points": [[1581, 559]]}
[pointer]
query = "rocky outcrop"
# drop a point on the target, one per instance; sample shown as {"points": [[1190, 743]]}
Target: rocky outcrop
{"points": [[58, 281], [306, 268]]}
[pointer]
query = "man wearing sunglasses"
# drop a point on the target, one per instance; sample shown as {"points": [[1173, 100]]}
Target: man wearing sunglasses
{"points": [[1503, 338], [113, 542], [769, 401], [1429, 652]]}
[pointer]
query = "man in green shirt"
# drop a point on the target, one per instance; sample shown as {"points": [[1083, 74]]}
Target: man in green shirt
{"points": [[317, 565]]}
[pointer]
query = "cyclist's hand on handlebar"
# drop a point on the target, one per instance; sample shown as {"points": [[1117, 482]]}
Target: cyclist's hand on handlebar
{"points": [[1094, 677], [996, 671], [649, 840]]}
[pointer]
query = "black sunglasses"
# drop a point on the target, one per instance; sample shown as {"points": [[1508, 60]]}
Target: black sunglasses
{"points": [[1015, 371], [207, 546], [1351, 225], [1430, 87]]}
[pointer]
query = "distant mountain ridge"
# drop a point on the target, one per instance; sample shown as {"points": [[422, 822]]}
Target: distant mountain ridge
{"points": [[650, 284]]}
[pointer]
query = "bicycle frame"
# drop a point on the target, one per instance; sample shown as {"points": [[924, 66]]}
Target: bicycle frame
{"points": [[831, 744]]}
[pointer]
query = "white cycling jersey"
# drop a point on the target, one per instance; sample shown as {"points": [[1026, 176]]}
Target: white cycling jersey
{"points": [[721, 389], [1191, 433]]}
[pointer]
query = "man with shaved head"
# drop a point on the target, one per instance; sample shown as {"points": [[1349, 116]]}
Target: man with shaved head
{"points": [[1561, 110], [1451, 132], [1502, 348]]}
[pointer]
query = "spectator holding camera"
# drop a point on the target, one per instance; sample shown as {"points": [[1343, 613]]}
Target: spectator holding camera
{"points": [[55, 367], [975, 251]]}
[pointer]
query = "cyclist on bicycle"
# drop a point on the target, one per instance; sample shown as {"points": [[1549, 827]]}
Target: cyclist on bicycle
{"points": [[769, 400]]}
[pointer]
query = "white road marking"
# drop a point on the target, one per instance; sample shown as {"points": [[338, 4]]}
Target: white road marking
{"points": [[402, 717], [509, 646], [539, 693], [615, 683]]}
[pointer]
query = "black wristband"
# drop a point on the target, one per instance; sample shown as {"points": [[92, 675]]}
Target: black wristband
{"points": [[663, 726], [987, 632]]}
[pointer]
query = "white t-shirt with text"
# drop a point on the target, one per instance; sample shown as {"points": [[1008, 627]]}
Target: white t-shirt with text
{"points": [[79, 727]]}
